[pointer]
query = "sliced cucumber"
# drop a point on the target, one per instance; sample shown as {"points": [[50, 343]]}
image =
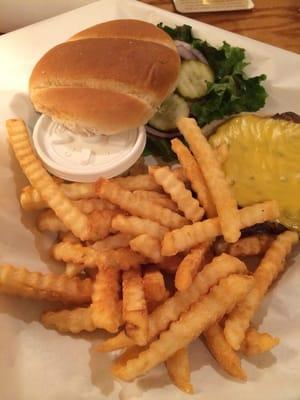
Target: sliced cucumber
{"points": [[171, 109], [193, 78]]}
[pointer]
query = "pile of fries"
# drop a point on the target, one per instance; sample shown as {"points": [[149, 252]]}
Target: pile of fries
{"points": [[154, 259]]}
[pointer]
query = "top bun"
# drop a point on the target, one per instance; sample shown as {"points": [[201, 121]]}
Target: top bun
{"points": [[106, 79]]}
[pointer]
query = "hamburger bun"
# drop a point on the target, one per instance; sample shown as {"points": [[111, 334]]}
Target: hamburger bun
{"points": [[106, 79]]}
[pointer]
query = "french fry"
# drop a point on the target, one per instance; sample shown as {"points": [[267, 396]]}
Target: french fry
{"points": [[138, 207], [75, 220], [144, 182], [135, 313], [106, 304], [88, 206], [159, 320], [189, 266], [256, 342], [73, 321], [178, 192], [73, 269], [148, 246], [112, 242], [191, 324], [122, 258], [136, 226], [170, 264], [178, 367], [120, 341], [154, 285], [195, 176], [247, 246], [31, 199], [215, 179], [222, 352], [48, 221], [35, 285], [272, 264], [68, 237], [158, 198], [190, 236]]}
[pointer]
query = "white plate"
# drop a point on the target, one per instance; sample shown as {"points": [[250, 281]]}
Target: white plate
{"points": [[36, 363]]}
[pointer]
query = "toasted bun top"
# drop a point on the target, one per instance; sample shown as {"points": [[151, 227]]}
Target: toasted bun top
{"points": [[128, 61]]}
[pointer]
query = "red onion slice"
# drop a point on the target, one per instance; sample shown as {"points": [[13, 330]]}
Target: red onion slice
{"points": [[187, 52], [163, 135]]}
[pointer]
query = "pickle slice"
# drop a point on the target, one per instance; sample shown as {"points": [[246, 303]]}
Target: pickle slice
{"points": [[193, 78]]}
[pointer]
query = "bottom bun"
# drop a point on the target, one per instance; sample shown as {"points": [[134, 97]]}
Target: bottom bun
{"points": [[92, 111]]}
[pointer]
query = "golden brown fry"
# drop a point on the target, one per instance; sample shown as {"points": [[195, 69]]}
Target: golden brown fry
{"points": [[212, 307], [148, 246], [256, 342], [68, 237], [35, 285], [48, 221], [170, 310], [190, 236], [31, 199], [154, 285], [117, 241], [74, 321], [120, 341], [135, 313], [195, 176], [138, 182], [106, 304], [88, 206], [190, 265], [136, 226], [178, 367], [122, 258], [127, 355], [215, 179], [76, 221], [222, 352], [272, 264], [138, 207], [178, 192], [73, 269], [247, 246], [158, 198]]}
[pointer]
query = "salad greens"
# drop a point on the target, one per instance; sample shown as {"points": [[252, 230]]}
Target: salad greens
{"points": [[232, 91]]}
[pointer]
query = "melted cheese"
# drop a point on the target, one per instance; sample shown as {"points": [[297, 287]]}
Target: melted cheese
{"points": [[263, 163]]}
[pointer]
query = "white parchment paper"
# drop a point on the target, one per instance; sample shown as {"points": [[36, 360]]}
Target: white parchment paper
{"points": [[36, 363]]}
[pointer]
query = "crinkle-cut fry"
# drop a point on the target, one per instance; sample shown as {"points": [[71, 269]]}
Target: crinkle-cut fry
{"points": [[117, 241], [138, 207], [159, 198], [221, 153], [90, 205], [220, 349], [247, 246], [48, 221], [154, 285], [35, 285], [129, 354], [123, 258], [170, 310], [148, 246], [202, 314], [31, 199], [238, 321], [224, 201], [106, 304], [195, 176], [190, 236], [137, 226], [257, 342], [73, 321], [189, 266], [178, 192], [75, 220], [138, 182], [73, 269], [180, 174], [178, 367], [135, 314], [68, 237], [170, 264], [118, 342]]}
